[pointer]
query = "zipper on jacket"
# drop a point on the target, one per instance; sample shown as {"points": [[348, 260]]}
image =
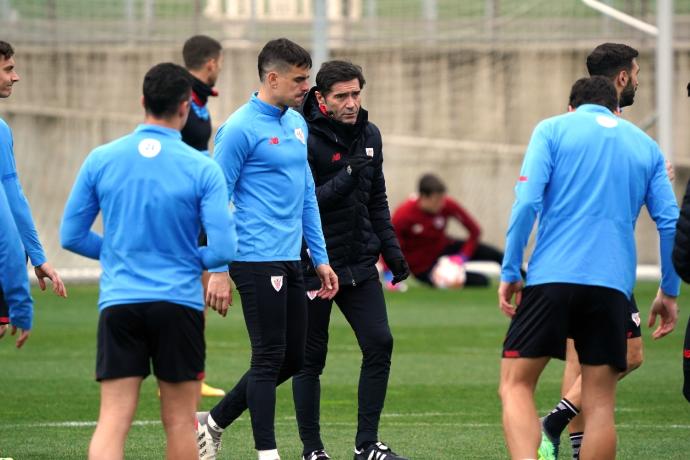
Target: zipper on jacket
{"points": [[352, 277]]}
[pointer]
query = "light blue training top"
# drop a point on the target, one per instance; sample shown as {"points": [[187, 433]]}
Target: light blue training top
{"points": [[18, 203], [155, 193], [14, 280], [262, 151], [586, 174]]}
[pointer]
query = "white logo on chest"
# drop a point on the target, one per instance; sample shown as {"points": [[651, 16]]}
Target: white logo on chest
{"points": [[439, 222], [299, 134], [149, 148], [607, 122], [417, 229]]}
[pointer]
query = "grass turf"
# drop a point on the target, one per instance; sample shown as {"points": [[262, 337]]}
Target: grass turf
{"points": [[441, 403]]}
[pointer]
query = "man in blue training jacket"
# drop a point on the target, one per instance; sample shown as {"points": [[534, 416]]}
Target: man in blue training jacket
{"points": [[203, 58], [586, 174], [155, 193], [16, 305], [262, 149], [19, 205]]}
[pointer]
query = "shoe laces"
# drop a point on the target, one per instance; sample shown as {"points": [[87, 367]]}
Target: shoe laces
{"points": [[317, 455]]}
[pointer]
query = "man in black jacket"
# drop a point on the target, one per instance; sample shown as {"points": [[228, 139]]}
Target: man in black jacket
{"points": [[681, 262], [345, 156]]}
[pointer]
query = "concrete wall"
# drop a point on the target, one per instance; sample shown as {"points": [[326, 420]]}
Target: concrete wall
{"points": [[463, 112]]}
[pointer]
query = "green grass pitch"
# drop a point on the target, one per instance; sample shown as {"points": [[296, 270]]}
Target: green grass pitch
{"points": [[442, 401]]}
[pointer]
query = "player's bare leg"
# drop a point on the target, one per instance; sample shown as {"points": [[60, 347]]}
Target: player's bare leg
{"points": [[119, 399], [178, 414], [520, 421], [598, 403], [206, 389]]}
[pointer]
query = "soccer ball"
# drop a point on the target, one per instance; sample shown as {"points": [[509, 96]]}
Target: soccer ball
{"points": [[448, 274]]}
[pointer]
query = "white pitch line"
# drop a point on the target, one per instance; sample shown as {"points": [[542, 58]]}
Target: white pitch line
{"points": [[290, 419]]}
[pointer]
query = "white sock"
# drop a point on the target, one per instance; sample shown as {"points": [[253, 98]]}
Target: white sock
{"points": [[214, 426], [268, 454]]}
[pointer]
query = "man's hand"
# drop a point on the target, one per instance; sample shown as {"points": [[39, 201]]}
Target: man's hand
{"points": [[219, 292], [666, 307], [47, 271], [23, 336], [506, 291], [329, 282], [400, 270]]}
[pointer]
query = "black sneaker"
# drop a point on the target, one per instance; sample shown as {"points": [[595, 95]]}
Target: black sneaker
{"points": [[316, 455], [377, 451]]}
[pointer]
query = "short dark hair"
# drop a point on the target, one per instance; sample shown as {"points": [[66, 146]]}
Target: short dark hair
{"points": [[197, 50], [608, 59], [594, 90], [6, 50], [332, 72], [431, 184], [282, 53], [166, 85]]}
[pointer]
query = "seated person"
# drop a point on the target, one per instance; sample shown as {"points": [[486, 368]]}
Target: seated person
{"points": [[420, 225]]}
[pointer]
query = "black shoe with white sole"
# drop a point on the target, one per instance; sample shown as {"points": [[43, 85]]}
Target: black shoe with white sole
{"points": [[316, 455], [377, 451]]}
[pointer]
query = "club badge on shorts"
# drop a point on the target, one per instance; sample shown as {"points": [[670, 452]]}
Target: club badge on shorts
{"points": [[299, 134], [277, 282], [370, 152], [312, 294], [636, 318]]}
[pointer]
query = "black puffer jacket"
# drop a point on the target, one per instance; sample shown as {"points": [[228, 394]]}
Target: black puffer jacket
{"points": [[354, 209], [681, 246]]}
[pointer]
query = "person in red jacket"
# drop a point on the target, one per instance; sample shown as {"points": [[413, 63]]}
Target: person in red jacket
{"points": [[420, 225]]}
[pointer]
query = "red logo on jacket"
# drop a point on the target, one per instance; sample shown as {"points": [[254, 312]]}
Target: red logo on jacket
{"points": [[336, 157], [273, 141]]}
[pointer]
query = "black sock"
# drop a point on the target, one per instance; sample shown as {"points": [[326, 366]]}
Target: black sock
{"points": [[558, 419], [575, 443], [365, 445]]}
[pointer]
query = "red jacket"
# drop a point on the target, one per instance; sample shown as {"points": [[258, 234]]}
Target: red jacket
{"points": [[422, 235]]}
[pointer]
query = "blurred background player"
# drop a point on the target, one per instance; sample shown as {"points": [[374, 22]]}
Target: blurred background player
{"points": [[346, 159], [203, 59], [681, 261], [582, 271], [618, 63], [16, 305], [19, 205], [155, 192], [262, 150], [420, 224]]}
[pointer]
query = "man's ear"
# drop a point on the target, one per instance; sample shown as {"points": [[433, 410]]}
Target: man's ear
{"points": [[319, 98]]}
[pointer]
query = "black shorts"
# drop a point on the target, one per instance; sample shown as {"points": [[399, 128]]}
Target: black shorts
{"points": [[594, 316], [131, 337], [633, 321], [4, 310]]}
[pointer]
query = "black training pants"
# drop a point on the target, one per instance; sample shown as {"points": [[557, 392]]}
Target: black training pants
{"points": [[275, 312], [365, 309]]}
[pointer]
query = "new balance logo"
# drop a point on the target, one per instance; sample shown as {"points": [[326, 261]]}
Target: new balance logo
{"points": [[336, 157], [274, 141]]}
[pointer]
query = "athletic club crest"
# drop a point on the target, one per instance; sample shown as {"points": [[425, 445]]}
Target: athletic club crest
{"points": [[311, 294], [277, 282], [299, 134], [370, 152], [636, 318]]}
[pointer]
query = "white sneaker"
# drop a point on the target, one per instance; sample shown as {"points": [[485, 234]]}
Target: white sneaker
{"points": [[207, 439]]}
